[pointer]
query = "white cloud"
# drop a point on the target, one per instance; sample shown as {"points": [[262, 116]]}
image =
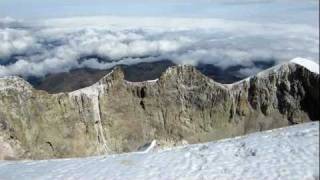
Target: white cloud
{"points": [[57, 45], [249, 71], [15, 42]]}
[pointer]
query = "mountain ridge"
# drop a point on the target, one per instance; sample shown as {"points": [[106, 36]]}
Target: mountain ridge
{"points": [[298, 61], [183, 105]]}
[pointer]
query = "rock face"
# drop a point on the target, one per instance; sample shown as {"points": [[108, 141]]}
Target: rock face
{"points": [[114, 115]]}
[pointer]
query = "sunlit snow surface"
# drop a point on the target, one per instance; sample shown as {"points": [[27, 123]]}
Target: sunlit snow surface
{"points": [[310, 65], [288, 153]]}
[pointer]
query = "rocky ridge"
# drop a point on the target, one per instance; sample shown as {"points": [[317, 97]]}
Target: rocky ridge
{"points": [[182, 106]]}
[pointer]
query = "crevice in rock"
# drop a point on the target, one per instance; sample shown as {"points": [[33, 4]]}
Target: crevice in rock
{"points": [[143, 92], [142, 105], [50, 144]]}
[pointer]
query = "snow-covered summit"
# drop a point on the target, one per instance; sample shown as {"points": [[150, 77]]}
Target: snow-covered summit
{"points": [[310, 65], [287, 153], [306, 63]]}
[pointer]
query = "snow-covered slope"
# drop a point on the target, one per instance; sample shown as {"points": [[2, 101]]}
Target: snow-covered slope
{"points": [[310, 65], [287, 153], [306, 63]]}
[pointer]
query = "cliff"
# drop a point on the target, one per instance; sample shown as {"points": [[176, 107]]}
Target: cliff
{"points": [[114, 115]]}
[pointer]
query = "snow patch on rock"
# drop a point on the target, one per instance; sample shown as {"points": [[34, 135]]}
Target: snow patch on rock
{"points": [[151, 147], [310, 65]]}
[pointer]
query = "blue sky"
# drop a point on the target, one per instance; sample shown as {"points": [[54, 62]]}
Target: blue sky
{"points": [[284, 11]]}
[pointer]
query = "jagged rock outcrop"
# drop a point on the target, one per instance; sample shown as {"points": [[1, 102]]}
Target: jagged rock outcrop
{"points": [[115, 115]]}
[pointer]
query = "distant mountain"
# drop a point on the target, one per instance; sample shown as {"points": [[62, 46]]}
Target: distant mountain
{"points": [[83, 77], [182, 106]]}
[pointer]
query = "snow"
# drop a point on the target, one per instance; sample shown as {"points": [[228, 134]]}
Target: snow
{"points": [[151, 147], [287, 153], [154, 81], [310, 65]]}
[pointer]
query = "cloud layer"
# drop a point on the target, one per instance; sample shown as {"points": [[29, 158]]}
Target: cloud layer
{"points": [[59, 45]]}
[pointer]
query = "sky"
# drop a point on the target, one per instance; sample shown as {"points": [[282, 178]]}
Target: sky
{"points": [[290, 11], [40, 37]]}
